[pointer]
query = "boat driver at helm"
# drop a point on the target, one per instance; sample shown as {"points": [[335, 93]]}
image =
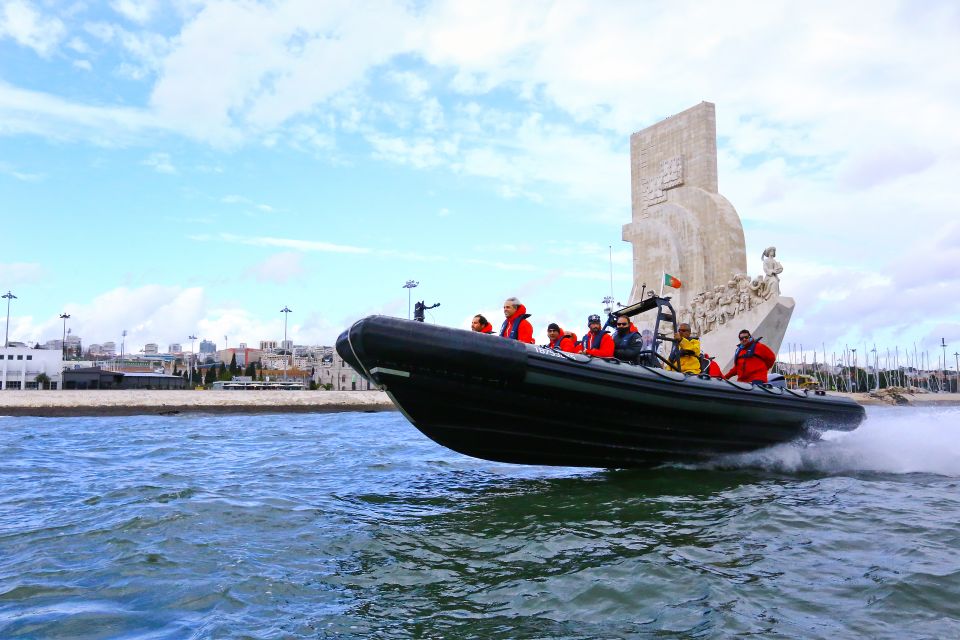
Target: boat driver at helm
{"points": [[685, 356], [597, 342]]}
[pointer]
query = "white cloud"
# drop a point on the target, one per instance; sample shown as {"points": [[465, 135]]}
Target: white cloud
{"points": [[279, 268], [17, 273], [83, 64], [20, 21], [140, 11], [160, 162]]}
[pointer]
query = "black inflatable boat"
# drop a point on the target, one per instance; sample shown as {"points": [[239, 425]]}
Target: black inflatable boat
{"points": [[503, 400]]}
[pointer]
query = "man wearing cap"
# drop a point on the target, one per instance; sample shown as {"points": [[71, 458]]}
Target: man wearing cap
{"points": [[597, 343], [560, 339]]}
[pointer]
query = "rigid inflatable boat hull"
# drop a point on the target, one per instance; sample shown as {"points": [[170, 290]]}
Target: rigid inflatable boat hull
{"points": [[501, 400]]}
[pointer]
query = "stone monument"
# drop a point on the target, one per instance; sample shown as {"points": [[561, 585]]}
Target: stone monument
{"points": [[682, 226]]}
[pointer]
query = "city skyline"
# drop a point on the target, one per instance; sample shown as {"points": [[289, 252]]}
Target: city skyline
{"points": [[176, 168]]}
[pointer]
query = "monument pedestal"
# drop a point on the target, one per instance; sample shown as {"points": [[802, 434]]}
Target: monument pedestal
{"points": [[768, 321]]}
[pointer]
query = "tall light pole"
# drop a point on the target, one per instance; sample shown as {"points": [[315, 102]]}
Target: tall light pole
{"points": [[943, 343], [956, 382], [6, 336], [63, 346], [285, 311], [410, 286], [193, 357], [856, 376], [123, 340]]}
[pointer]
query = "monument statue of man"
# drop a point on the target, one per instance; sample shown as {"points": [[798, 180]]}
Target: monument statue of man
{"points": [[771, 273]]}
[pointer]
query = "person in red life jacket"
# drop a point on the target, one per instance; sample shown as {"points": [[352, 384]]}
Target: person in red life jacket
{"points": [[560, 339], [596, 343], [516, 326], [713, 369], [627, 343], [751, 361], [480, 324]]}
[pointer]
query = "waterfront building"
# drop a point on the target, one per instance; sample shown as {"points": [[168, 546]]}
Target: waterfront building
{"points": [[208, 347], [97, 378], [334, 371], [174, 348], [110, 348], [20, 366], [286, 345], [244, 356], [268, 345], [151, 348]]}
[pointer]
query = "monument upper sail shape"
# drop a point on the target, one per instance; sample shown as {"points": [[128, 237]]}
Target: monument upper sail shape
{"points": [[681, 224]]}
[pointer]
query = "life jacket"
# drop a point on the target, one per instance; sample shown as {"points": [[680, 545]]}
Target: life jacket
{"points": [[511, 326], [594, 343], [566, 342], [487, 328]]}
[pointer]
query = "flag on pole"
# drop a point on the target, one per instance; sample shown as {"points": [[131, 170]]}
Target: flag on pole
{"points": [[670, 281]]}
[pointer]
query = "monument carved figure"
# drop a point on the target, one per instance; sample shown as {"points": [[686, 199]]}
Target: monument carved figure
{"points": [[771, 273]]}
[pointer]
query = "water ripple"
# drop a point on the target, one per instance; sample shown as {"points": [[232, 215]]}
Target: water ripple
{"points": [[354, 525]]}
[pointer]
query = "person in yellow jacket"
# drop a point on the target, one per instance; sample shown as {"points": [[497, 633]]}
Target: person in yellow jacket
{"points": [[685, 356]]}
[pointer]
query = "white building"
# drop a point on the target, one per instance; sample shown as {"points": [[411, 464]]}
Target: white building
{"points": [[20, 366], [175, 348], [151, 348]]}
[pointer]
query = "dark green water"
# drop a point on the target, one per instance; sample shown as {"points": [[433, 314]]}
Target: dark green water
{"points": [[355, 525]]}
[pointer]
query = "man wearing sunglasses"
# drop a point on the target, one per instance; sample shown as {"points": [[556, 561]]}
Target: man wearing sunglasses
{"points": [[627, 343], [685, 355], [752, 360]]}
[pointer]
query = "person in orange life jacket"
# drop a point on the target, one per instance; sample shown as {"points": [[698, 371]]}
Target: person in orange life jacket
{"points": [[752, 360], [596, 343], [627, 343], [516, 326], [560, 339], [480, 324], [713, 369]]}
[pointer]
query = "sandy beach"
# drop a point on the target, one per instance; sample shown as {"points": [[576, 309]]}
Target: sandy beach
{"points": [[134, 402]]}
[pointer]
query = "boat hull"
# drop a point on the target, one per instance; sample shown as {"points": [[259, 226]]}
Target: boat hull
{"points": [[501, 400]]}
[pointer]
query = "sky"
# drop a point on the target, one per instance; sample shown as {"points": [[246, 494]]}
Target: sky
{"points": [[178, 167]]}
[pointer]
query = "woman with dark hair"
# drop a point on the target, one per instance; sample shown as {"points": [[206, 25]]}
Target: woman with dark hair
{"points": [[480, 324]]}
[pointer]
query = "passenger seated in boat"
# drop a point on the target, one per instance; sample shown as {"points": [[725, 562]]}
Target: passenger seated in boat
{"points": [[685, 356], [560, 339], [516, 326], [627, 343], [596, 342], [752, 360], [709, 366], [480, 324]]}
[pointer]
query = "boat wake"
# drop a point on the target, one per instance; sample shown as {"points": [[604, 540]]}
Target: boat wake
{"points": [[892, 440]]}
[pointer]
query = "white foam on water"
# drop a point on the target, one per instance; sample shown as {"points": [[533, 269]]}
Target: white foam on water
{"points": [[891, 440]]}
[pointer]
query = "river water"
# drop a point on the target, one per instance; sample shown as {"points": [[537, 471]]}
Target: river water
{"points": [[355, 525]]}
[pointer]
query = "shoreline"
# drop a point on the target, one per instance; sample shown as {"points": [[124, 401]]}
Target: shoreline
{"points": [[130, 402]]}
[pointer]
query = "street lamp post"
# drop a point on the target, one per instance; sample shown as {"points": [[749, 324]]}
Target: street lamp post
{"points": [[956, 382], [943, 343], [193, 358], [285, 311], [409, 286], [856, 376], [63, 346], [123, 340], [6, 336]]}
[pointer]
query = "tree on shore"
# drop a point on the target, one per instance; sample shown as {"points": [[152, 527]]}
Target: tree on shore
{"points": [[211, 376], [42, 380]]}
